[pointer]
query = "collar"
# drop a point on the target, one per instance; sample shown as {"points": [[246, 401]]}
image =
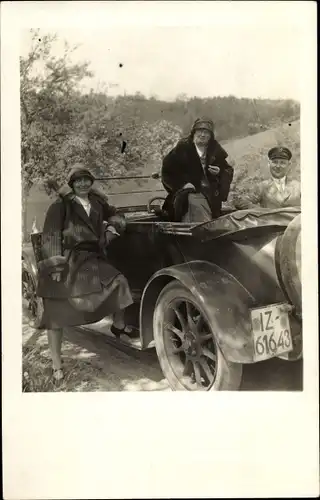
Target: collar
{"points": [[200, 152], [280, 183], [82, 201]]}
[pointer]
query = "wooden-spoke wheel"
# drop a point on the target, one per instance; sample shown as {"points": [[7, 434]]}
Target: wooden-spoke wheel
{"points": [[188, 353], [31, 302]]}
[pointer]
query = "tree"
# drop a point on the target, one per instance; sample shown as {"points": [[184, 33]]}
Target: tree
{"points": [[60, 124], [150, 143], [47, 100]]}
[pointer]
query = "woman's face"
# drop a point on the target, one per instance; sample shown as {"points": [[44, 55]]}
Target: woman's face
{"points": [[81, 186], [201, 137], [279, 168]]}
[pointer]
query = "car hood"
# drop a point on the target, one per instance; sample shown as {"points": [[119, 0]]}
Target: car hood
{"points": [[238, 224]]}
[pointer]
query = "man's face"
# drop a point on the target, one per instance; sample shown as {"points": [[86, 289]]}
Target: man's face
{"points": [[279, 167], [82, 186], [201, 137]]}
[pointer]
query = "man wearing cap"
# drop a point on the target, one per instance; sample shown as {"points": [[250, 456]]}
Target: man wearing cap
{"points": [[278, 191], [196, 166]]}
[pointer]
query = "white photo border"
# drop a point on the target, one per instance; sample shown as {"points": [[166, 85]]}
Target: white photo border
{"points": [[147, 445]]}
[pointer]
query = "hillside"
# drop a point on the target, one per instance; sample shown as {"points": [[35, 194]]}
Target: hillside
{"points": [[61, 125], [248, 153]]}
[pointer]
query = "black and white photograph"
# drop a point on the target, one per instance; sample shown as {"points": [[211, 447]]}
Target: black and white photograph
{"points": [[161, 215], [164, 192]]}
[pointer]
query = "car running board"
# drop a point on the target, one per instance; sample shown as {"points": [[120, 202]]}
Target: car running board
{"points": [[103, 327]]}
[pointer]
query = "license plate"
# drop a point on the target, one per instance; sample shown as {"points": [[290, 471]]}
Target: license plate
{"points": [[271, 331]]}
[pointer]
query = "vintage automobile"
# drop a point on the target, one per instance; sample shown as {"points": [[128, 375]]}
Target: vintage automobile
{"points": [[209, 297]]}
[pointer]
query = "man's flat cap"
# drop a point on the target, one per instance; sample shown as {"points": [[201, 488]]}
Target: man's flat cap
{"points": [[279, 153]]}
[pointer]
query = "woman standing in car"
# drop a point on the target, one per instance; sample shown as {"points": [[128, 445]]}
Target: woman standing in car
{"points": [[197, 164]]}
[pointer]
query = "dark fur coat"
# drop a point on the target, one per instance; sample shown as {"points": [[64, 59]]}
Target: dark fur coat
{"points": [[182, 165]]}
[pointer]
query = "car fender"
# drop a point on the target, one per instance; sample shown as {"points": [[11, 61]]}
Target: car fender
{"points": [[225, 301]]}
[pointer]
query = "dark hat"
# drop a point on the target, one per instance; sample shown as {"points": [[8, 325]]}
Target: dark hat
{"points": [[279, 153], [79, 171], [203, 123]]}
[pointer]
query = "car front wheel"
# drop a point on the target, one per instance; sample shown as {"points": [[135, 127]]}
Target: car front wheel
{"points": [[188, 353]]}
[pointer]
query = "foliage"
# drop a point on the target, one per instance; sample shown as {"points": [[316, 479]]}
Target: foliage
{"points": [[60, 124], [113, 142], [233, 117], [82, 375], [47, 107]]}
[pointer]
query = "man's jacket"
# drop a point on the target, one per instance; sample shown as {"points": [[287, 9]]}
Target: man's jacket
{"points": [[268, 195]]}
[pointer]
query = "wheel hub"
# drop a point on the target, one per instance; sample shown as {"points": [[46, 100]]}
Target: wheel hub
{"points": [[191, 346], [191, 349]]}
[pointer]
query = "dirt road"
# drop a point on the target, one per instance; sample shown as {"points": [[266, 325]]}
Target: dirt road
{"points": [[141, 370], [95, 365]]}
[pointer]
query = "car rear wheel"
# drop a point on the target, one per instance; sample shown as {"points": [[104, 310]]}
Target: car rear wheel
{"points": [[188, 353], [33, 304]]}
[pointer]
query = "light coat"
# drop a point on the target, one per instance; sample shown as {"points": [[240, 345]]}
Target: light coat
{"points": [[268, 195]]}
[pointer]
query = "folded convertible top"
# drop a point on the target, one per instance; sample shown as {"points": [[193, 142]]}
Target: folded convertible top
{"points": [[241, 221]]}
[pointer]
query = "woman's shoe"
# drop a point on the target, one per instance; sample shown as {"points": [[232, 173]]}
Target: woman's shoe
{"points": [[127, 330], [58, 374]]}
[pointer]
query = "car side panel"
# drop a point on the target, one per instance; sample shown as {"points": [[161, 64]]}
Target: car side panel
{"points": [[224, 299], [250, 261]]}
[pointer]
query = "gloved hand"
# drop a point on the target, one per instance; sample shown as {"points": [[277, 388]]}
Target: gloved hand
{"points": [[242, 204], [110, 236], [214, 170], [118, 222]]}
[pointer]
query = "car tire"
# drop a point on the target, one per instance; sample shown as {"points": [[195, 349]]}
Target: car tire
{"points": [[227, 375], [36, 310], [290, 262]]}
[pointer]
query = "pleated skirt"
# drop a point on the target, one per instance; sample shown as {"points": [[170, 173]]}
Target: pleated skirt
{"points": [[90, 308]]}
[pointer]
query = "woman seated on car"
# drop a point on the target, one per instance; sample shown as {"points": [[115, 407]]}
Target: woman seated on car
{"points": [[77, 283]]}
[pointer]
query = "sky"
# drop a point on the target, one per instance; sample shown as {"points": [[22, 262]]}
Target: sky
{"points": [[246, 60]]}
